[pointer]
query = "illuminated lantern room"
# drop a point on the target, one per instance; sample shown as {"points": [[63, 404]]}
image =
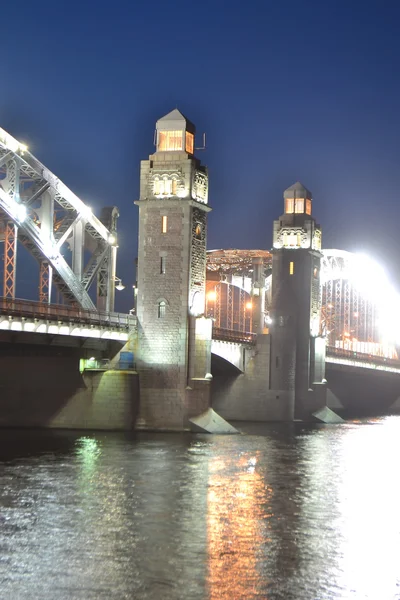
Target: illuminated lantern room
{"points": [[175, 133], [297, 200]]}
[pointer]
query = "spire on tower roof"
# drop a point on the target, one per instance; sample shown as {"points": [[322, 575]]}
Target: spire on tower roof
{"points": [[175, 120], [297, 190]]}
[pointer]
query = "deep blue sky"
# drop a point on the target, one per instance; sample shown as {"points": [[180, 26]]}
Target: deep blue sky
{"points": [[289, 90]]}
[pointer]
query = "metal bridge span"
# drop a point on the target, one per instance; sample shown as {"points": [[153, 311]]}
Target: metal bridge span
{"points": [[358, 305], [73, 248], [229, 345]]}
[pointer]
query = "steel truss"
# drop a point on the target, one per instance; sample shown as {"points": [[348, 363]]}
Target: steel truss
{"points": [[348, 316], [47, 218]]}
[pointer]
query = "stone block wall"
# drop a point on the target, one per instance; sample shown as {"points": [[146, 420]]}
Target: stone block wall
{"points": [[49, 391], [247, 397]]}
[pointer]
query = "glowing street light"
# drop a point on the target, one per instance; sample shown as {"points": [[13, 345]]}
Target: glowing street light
{"points": [[20, 211], [120, 286]]}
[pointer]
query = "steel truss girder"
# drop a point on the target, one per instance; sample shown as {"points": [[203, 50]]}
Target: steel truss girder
{"points": [[10, 258], [45, 277], [348, 310], [30, 236], [106, 274], [27, 180]]}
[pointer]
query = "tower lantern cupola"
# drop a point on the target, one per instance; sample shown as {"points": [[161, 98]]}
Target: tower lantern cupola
{"points": [[297, 228], [175, 133], [297, 200]]}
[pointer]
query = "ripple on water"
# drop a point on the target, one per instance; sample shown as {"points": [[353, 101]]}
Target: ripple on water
{"points": [[291, 513]]}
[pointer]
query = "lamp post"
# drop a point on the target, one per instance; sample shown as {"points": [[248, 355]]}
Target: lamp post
{"points": [[210, 303], [249, 308], [120, 286]]}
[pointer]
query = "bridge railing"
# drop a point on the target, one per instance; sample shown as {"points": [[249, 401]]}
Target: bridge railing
{"points": [[70, 314], [361, 356], [229, 335]]}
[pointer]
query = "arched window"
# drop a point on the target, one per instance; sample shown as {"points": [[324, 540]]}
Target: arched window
{"points": [[156, 186], [174, 187], [198, 232], [162, 306], [167, 186]]}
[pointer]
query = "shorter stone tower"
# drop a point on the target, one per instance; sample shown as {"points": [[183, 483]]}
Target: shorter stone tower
{"points": [[174, 337], [297, 350]]}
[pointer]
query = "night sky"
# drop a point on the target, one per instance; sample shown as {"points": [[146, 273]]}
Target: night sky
{"points": [[286, 91]]}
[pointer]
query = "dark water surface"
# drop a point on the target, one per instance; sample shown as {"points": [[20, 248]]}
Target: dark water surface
{"points": [[281, 513]]}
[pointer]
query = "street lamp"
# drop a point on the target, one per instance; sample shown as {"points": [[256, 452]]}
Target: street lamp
{"points": [[120, 286], [211, 297]]}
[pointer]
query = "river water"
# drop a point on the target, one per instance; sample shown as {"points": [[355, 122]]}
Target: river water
{"points": [[282, 512]]}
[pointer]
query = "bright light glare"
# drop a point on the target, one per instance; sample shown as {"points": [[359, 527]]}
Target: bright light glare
{"points": [[86, 211], [372, 283], [20, 211], [112, 239], [212, 296]]}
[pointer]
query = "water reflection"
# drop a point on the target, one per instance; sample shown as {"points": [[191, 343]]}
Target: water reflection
{"points": [[293, 514], [237, 525]]}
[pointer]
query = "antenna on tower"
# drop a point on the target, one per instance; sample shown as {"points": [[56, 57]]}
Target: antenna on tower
{"points": [[204, 143]]}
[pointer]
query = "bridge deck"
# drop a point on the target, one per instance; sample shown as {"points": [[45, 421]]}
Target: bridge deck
{"points": [[25, 315], [228, 335], [359, 359]]}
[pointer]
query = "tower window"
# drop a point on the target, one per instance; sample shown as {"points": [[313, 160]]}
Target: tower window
{"points": [[198, 232], [299, 205], [174, 187], [162, 306], [289, 206], [167, 191], [164, 224], [308, 207], [156, 186], [291, 268], [189, 142], [162, 265], [170, 140]]}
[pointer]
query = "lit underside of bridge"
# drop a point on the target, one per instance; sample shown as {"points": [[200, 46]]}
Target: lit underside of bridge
{"points": [[72, 246], [360, 307]]}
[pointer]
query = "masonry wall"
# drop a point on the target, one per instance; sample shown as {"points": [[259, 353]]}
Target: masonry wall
{"points": [[246, 396], [170, 353], [49, 391]]}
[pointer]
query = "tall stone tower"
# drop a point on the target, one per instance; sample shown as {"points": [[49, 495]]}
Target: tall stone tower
{"points": [[297, 350], [174, 337]]}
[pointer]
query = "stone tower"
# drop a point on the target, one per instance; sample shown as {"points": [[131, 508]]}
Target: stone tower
{"points": [[297, 350], [174, 337]]}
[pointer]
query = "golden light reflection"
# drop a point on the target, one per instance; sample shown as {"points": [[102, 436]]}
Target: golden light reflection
{"points": [[237, 526]]}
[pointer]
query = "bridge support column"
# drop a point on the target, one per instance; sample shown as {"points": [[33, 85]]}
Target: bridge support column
{"points": [[10, 259], [258, 296], [45, 281]]}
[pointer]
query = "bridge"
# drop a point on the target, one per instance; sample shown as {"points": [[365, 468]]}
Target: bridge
{"points": [[356, 315], [248, 309]]}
